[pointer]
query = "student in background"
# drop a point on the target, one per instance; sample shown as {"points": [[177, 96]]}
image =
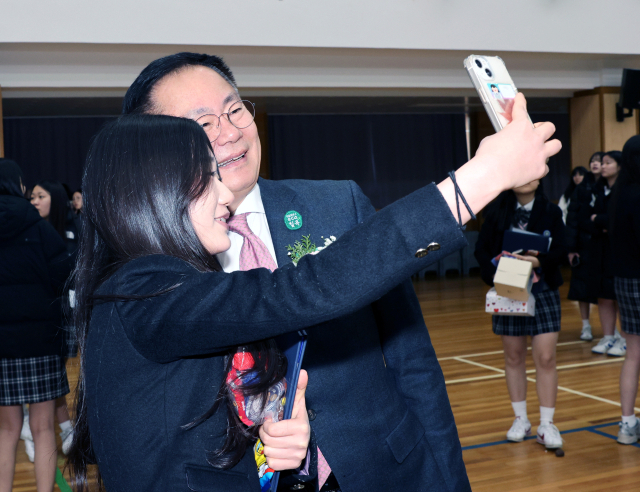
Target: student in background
{"points": [[624, 231], [600, 283], [577, 176], [578, 236], [52, 202], [34, 264], [76, 201], [526, 208]]}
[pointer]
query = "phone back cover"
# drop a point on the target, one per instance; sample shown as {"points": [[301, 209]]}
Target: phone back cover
{"points": [[496, 92]]}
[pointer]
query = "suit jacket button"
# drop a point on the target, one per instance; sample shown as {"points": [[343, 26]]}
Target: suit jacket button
{"points": [[421, 253], [298, 486], [312, 414], [433, 247]]}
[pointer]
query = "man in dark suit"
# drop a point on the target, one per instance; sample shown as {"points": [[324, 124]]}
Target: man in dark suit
{"points": [[376, 397]]}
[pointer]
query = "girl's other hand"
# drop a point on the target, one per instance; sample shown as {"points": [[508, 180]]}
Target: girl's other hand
{"points": [[535, 261]]}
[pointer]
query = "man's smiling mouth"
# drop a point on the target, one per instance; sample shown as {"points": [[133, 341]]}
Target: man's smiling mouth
{"points": [[233, 159]]}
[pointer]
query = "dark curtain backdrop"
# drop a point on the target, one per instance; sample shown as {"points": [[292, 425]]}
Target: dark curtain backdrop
{"points": [[557, 180], [388, 155], [51, 148]]}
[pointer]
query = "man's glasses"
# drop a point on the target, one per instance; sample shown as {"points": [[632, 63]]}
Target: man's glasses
{"points": [[240, 115]]}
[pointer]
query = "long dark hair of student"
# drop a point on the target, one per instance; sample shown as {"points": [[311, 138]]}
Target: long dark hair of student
{"points": [[504, 206], [59, 205], [629, 173], [572, 185], [141, 175]]}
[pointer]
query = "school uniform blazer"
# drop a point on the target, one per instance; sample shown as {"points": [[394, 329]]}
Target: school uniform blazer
{"points": [[376, 395], [546, 217]]}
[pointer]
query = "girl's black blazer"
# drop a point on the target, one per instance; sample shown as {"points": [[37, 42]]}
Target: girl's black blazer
{"points": [[545, 216]]}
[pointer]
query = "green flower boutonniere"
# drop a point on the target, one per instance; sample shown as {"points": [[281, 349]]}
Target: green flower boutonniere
{"points": [[305, 247]]}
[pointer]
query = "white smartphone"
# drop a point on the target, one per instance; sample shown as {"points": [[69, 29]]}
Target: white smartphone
{"points": [[493, 83]]}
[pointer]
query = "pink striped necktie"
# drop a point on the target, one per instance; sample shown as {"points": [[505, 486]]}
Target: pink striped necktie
{"points": [[254, 254]]}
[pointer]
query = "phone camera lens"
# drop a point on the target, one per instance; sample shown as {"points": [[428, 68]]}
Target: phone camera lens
{"points": [[479, 63], [488, 72]]}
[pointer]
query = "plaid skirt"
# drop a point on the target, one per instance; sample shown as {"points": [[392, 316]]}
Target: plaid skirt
{"points": [[628, 294], [32, 380], [546, 320]]}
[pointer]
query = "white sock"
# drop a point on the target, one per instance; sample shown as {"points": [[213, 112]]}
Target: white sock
{"points": [[520, 409], [546, 415], [585, 323], [616, 334], [65, 426], [630, 420]]}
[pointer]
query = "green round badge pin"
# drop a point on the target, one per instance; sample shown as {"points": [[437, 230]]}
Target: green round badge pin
{"points": [[293, 220]]}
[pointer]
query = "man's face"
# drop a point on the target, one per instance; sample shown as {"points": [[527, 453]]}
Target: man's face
{"points": [[197, 91]]}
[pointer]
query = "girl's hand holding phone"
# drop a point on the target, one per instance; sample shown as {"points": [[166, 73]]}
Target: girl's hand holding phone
{"points": [[286, 442]]}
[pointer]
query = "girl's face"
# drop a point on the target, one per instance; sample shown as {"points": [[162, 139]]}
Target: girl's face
{"points": [[41, 199], [596, 167], [209, 215], [77, 200], [610, 168], [528, 188], [577, 178]]}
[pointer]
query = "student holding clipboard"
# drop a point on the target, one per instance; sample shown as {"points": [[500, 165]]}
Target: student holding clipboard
{"points": [[508, 226]]}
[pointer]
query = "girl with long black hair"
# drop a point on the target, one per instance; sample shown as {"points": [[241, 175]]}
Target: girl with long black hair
{"points": [[159, 323], [601, 284], [526, 208], [624, 230], [577, 175], [578, 235]]}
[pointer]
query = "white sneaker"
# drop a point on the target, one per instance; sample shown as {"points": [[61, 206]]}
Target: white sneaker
{"points": [[519, 429], [604, 345], [586, 334], [30, 449], [25, 433], [549, 436], [629, 435], [619, 348], [67, 440]]}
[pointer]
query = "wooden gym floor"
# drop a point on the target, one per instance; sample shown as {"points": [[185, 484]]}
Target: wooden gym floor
{"points": [[587, 411]]}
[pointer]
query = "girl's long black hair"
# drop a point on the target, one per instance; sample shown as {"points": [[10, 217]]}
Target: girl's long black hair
{"points": [[59, 205], [141, 175], [572, 185]]}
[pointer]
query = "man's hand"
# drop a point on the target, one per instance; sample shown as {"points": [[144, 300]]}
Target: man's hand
{"points": [[286, 442], [572, 256]]}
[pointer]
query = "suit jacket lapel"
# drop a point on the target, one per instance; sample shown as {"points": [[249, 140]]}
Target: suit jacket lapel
{"points": [[279, 199]]}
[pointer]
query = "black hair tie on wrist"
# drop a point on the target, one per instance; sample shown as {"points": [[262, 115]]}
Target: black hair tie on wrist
{"points": [[452, 175]]}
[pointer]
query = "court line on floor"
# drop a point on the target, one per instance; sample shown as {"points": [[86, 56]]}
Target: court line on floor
{"points": [[587, 395], [496, 352], [591, 428], [530, 371], [561, 388]]}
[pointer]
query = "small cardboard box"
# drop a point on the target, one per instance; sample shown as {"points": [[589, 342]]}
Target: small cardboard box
{"points": [[513, 278], [499, 305]]}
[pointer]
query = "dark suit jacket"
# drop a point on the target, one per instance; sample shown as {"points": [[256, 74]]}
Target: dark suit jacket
{"points": [[382, 417]]}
